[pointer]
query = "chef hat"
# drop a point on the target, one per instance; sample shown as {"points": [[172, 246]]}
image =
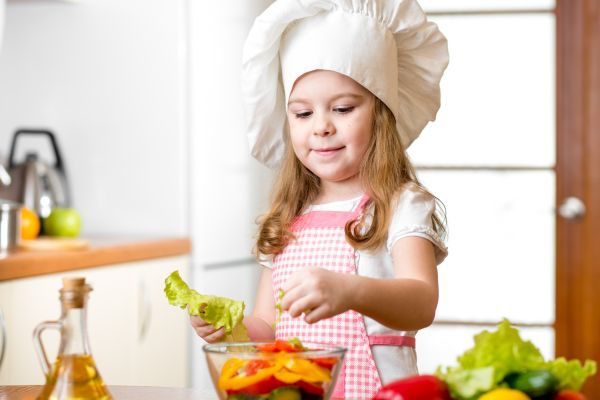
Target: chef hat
{"points": [[387, 46]]}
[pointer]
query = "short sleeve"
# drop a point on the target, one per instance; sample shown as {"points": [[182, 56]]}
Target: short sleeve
{"points": [[265, 260], [413, 217]]}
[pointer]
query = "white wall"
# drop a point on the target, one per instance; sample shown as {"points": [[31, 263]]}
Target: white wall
{"points": [[108, 77]]}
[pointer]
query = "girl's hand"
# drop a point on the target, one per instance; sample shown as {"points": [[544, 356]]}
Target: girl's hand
{"points": [[206, 331], [318, 293]]}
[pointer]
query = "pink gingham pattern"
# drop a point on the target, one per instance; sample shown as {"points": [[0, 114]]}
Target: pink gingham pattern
{"points": [[321, 242]]}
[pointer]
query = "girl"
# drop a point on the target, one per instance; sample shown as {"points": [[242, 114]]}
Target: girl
{"points": [[335, 91]]}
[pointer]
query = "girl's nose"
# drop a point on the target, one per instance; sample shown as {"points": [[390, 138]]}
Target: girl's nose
{"points": [[323, 126]]}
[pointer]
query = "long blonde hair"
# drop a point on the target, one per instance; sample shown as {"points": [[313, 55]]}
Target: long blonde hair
{"points": [[384, 171]]}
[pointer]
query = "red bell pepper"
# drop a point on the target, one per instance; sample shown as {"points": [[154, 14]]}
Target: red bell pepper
{"points": [[265, 386], [277, 346], [418, 387], [256, 365], [325, 362], [569, 395]]}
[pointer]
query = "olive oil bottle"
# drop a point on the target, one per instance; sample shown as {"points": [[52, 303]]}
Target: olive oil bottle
{"points": [[74, 375]]}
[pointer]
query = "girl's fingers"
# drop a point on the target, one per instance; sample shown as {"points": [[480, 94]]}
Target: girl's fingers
{"points": [[303, 304], [315, 315], [290, 297], [197, 321], [215, 336], [204, 330]]}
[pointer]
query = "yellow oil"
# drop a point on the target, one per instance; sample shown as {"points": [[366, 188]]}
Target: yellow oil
{"points": [[74, 377]]}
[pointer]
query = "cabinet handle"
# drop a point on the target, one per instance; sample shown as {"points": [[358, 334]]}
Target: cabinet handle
{"points": [[4, 338], [144, 310]]}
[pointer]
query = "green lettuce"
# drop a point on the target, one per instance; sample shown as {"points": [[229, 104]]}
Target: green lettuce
{"points": [[217, 311], [571, 374], [501, 352]]}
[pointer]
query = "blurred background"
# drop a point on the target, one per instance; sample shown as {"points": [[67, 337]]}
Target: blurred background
{"points": [[144, 99]]}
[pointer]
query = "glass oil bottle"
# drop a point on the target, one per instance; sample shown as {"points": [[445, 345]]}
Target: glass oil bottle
{"points": [[74, 375]]}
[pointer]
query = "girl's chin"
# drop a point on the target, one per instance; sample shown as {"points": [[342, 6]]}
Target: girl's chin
{"points": [[337, 177]]}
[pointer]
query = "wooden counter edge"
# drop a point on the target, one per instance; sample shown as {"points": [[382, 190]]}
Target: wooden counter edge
{"points": [[37, 263]]}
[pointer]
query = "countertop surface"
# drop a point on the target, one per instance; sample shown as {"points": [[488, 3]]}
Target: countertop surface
{"points": [[29, 392], [100, 252]]}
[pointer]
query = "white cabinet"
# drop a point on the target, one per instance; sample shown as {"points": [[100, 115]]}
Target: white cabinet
{"points": [[136, 337]]}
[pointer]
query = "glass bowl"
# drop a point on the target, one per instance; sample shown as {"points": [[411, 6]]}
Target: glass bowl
{"points": [[258, 371]]}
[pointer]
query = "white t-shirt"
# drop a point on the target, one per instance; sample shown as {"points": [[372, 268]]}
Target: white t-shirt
{"points": [[411, 217]]}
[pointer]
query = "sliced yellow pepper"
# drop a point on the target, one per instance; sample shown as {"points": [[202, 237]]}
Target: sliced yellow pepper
{"points": [[230, 368], [309, 371], [286, 376], [242, 380]]}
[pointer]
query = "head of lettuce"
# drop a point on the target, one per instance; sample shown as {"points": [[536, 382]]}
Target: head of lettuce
{"points": [[220, 312]]}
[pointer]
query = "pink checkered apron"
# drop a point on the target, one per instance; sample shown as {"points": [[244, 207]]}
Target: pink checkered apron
{"points": [[321, 242]]}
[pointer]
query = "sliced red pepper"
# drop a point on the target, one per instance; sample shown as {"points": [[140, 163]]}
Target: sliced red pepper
{"points": [[325, 362], [277, 346], [255, 365], [283, 345], [310, 387], [265, 386], [267, 347]]}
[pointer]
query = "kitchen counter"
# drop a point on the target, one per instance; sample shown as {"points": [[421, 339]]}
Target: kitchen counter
{"points": [[118, 392], [101, 252]]}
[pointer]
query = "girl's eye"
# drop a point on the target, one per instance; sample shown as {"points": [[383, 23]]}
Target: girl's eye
{"points": [[304, 114], [344, 110]]}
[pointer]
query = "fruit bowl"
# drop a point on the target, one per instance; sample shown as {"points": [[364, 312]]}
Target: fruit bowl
{"points": [[279, 370]]}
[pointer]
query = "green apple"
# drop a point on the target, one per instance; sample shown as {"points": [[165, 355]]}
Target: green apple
{"points": [[63, 222]]}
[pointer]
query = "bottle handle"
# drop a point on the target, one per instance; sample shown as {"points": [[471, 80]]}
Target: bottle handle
{"points": [[39, 345]]}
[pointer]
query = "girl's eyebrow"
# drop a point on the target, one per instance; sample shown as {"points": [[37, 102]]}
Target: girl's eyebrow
{"points": [[338, 96]]}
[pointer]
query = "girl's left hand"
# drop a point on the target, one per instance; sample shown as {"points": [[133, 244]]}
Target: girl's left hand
{"points": [[316, 292]]}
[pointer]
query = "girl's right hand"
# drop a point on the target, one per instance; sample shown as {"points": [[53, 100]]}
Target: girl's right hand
{"points": [[205, 330]]}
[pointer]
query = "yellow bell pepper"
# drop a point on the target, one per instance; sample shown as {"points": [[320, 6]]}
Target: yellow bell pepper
{"points": [[240, 381], [309, 371], [230, 368], [286, 376], [504, 394]]}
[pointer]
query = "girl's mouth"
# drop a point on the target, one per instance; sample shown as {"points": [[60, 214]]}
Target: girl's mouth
{"points": [[328, 151]]}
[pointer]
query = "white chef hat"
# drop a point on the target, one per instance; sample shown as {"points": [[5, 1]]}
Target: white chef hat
{"points": [[387, 46]]}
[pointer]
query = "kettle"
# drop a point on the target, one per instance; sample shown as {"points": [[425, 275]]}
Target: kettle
{"points": [[34, 183]]}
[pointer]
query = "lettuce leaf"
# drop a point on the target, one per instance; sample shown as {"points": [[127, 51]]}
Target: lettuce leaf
{"points": [[217, 311], [468, 383], [571, 374]]}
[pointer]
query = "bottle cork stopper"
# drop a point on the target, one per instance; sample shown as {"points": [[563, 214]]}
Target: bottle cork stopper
{"points": [[73, 283]]}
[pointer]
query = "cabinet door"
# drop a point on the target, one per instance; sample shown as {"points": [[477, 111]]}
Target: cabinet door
{"points": [[111, 316], [136, 337], [26, 303], [4, 299]]}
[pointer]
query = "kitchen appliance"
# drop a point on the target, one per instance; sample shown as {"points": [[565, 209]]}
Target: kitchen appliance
{"points": [[34, 183], [10, 224]]}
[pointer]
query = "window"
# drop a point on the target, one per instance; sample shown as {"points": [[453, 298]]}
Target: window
{"points": [[490, 157]]}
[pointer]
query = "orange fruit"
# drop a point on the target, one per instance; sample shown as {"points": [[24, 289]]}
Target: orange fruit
{"points": [[30, 224]]}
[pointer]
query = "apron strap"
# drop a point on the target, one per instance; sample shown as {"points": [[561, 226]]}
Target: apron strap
{"points": [[392, 340], [363, 202]]}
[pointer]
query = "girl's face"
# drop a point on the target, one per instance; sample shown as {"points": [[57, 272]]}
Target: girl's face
{"points": [[330, 118]]}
